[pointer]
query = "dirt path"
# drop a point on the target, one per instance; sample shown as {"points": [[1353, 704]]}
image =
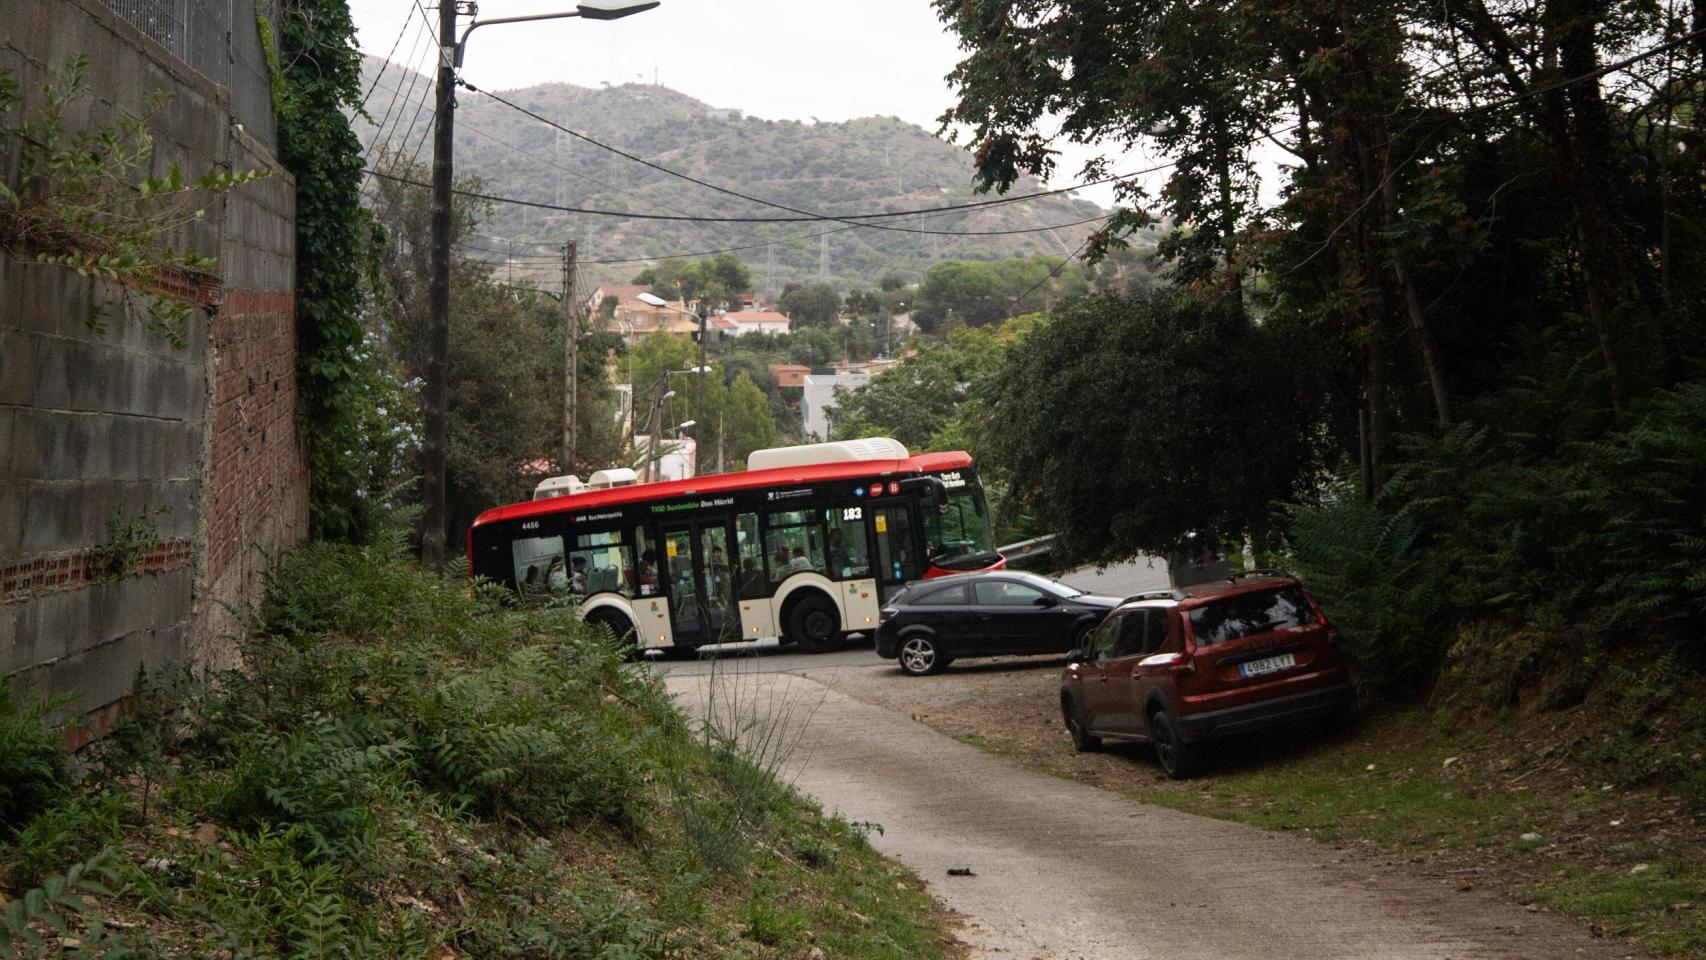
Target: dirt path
{"points": [[1065, 870]]}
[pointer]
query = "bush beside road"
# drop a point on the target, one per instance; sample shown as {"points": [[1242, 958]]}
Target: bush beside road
{"points": [[408, 771]]}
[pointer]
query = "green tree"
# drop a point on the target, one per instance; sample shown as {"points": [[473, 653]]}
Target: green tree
{"points": [[649, 359], [924, 397], [977, 293], [1189, 418], [813, 304], [748, 423], [813, 346], [715, 280]]}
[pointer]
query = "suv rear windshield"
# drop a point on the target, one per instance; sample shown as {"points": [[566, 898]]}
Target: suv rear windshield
{"points": [[1248, 614]]}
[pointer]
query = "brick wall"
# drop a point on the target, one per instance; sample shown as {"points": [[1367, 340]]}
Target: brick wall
{"points": [[98, 426]]}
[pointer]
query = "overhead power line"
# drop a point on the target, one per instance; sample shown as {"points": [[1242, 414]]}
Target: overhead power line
{"points": [[385, 64], [806, 214], [691, 218]]}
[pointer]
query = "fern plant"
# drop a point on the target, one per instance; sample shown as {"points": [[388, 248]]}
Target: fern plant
{"points": [[32, 925], [32, 759]]}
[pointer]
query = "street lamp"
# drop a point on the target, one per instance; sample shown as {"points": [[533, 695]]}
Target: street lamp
{"points": [[436, 400], [585, 11], [652, 426]]}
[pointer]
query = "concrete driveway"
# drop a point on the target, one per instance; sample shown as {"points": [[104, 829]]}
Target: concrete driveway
{"points": [[1066, 870]]}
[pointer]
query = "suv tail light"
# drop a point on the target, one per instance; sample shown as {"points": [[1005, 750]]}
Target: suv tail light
{"points": [[1332, 631]]}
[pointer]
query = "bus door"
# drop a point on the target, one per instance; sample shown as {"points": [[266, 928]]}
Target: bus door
{"points": [[897, 547], [698, 581]]}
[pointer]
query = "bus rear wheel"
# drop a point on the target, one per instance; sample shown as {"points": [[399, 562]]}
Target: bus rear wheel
{"points": [[814, 625]]}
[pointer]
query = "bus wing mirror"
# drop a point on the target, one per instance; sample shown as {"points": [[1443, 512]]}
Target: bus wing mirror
{"points": [[934, 490]]}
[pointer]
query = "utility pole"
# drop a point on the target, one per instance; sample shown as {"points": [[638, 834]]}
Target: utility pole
{"points": [[437, 393], [571, 353], [704, 371]]}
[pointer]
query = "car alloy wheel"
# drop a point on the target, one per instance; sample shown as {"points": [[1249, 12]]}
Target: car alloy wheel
{"points": [[919, 656], [1176, 757]]}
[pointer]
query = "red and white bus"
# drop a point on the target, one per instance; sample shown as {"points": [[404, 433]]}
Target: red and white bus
{"points": [[805, 545]]}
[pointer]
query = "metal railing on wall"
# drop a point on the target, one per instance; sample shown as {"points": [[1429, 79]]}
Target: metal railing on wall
{"points": [[164, 21]]}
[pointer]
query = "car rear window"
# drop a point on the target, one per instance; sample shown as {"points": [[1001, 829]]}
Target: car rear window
{"points": [[1248, 614]]}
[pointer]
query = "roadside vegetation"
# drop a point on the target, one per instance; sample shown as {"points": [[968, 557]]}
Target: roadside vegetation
{"points": [[1554, 809], [1445, 364], [405, 770]]}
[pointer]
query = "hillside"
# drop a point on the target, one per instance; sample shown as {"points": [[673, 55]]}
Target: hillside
{"points": [[865, 165]]}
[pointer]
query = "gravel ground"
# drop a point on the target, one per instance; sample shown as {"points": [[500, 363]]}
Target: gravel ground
{"points": [[1064, 869]]}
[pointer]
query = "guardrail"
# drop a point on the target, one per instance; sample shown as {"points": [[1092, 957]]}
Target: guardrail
{"points": [[1034, 547]]}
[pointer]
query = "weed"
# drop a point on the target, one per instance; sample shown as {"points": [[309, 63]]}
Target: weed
{"points": [[768, 923], [130, 537]]}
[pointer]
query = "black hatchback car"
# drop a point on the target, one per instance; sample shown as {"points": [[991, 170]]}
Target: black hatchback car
{"points": [[933, 622]]}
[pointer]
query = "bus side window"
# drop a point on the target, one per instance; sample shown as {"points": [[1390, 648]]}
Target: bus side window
{"points": [[537, 559], [751, 576], [644, 575], [849, 554], [793, 543]]}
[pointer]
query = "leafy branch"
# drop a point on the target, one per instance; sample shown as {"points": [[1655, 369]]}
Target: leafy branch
{"points": [[84, 200]]}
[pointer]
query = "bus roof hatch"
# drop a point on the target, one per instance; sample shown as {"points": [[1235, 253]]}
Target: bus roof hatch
{"points": [[841, 451]]}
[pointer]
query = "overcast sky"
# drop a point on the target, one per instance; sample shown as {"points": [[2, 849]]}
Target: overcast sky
{"points": [[777, 59]]}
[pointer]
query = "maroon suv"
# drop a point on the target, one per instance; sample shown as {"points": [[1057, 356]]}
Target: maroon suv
{"points": [[1177, 667]]}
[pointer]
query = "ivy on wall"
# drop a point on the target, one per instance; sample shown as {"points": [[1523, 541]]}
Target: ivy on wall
{"points": [[316, 76]]}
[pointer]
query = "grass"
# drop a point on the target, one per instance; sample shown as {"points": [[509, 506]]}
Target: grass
{"points": [[409, 771], [1666, 913], [1000, 746]]}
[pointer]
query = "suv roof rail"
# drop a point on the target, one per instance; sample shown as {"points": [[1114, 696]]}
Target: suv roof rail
{"points": [[1155, 595], [1258, 572]]}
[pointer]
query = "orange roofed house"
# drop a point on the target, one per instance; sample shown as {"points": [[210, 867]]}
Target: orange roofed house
{"points": [[789, 374]]}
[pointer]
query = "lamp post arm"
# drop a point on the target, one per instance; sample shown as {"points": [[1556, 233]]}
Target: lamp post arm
{"points": [[462, 42]]}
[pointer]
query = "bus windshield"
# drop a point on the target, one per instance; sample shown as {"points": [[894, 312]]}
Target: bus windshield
{"points": [[960, 538]]}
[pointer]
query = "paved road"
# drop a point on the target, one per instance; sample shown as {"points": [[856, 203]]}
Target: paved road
{"points": [[1067, 871]]}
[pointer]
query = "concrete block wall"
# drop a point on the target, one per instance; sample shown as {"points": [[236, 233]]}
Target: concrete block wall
{"points": [[111, 422]]}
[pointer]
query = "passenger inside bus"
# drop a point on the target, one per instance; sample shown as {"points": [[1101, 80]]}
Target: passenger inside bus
{"points": [[799, 563], [837, 548], [719, 568], [646, 577], [577, 580], [555, 579], [751, 578]]}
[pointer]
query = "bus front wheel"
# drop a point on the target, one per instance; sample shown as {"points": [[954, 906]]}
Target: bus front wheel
{"points": [[815, 625], [620, 627]]}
